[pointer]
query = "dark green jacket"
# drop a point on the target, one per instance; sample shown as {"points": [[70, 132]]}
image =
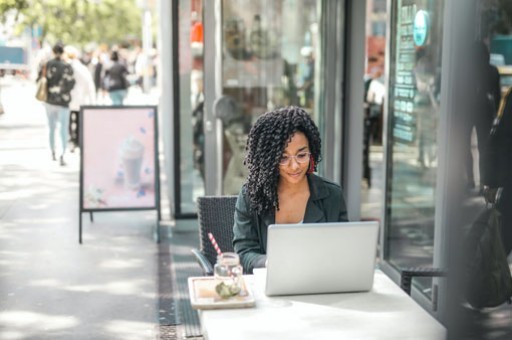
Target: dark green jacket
{"points": [[325, 204]]}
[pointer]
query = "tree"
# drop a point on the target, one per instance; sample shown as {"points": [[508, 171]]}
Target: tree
{"points": [[76, 21]]}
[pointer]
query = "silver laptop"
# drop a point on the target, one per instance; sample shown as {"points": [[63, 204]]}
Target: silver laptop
{"points": [[314, 258]]}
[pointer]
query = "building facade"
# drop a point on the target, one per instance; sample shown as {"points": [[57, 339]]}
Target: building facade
{"points": [[226, 62]]}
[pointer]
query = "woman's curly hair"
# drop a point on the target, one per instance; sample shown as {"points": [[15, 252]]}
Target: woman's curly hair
{"points": [[266, 142]]}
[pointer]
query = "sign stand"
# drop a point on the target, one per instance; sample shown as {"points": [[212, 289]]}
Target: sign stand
{"points": [[119, 168]]}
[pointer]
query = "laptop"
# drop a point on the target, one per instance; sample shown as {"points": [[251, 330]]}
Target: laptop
{"points": [[316, 258]]}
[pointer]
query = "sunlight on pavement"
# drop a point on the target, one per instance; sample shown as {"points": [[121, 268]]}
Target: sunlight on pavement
{"points": [[36, 321], [122, 264], [132, 287], [129, 330], [50, 286]]}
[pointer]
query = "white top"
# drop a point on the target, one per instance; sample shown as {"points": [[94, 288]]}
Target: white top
{"points": [[386, 312], [376, 92], [84, 91]]}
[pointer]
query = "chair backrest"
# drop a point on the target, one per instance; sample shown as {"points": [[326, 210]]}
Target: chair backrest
{"points": [[216, 216]]}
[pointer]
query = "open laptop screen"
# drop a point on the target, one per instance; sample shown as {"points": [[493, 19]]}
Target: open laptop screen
{"points": [[313, 258]]}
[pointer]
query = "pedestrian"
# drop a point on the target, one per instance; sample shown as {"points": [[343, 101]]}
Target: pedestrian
{"points": [[61, 81], [1, 106], [116, 82], [282, 152], [483, 98], [83, 92], [98, 74], [498, 169]]}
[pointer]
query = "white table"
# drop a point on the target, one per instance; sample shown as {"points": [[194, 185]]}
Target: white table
{"points": [[385, 312]]}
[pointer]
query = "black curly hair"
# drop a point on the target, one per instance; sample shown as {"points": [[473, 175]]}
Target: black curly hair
{"points": [[267, 140]]}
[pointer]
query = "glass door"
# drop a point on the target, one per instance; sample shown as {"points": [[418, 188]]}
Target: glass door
{"points": [[188, 55], [258, 55], [412, 150]]}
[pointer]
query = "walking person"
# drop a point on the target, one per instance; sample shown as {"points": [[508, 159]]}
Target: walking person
{"points": [[116, 82], [1, 106], [484, 95], [83, 93], [61, 81], [498, 169]]}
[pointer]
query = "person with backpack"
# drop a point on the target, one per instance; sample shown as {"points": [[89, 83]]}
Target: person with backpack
{"points": [[482, 104], [488, 281], [60, 80], [498, 173], [116, 82]]}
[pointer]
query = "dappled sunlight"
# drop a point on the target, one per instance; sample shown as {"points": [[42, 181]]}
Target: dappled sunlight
{"points": [[12, 258], [4, 262], [128, 330], [4, 252], [20, 194], [121, 263], [185, 251], [41, 221], [12, 335], [39, 206], [46, 283], [132, 287], [186, 265], [36, 322], [23, 182], [52, 286], [43, 195], [6, 237], [7, 224], [6, 232]]}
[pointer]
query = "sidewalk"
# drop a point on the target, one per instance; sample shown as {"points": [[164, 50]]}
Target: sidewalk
{"points": [[50, 286]]}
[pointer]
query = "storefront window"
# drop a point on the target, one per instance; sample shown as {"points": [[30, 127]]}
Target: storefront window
{"points": [[374, 101], [270, 59], [190, 176], [414, 94]]}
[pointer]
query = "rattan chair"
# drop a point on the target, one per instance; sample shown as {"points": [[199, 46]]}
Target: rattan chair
{"points": [[216, 216]]}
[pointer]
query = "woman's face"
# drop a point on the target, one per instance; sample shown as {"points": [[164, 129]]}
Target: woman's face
{"points": [[294, 172]]}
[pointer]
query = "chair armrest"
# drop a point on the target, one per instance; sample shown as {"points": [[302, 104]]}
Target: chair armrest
{"points": [[407, 274], [206, 266]]}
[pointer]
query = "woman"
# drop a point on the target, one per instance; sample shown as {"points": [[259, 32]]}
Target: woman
{"points": [[116, 82], [283, 151], [61, 81], [498, 171], [83, 93]]}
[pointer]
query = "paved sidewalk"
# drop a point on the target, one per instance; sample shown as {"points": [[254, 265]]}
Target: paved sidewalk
{"points": [[50, 286]]}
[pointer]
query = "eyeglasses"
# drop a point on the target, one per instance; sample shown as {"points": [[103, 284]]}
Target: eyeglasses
{"points": [[301, 158]]}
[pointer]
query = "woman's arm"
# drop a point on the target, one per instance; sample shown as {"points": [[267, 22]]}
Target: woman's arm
{"points": [[343, 217], [246, 241]]}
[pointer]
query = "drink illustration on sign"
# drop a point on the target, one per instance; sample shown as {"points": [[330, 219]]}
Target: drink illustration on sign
{"points": [[132, 153]]}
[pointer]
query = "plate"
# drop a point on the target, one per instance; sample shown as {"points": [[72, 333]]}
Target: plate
{"points": [[203, 295]]}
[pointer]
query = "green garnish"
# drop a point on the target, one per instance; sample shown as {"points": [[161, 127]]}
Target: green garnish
{"points": [[226, 291]]}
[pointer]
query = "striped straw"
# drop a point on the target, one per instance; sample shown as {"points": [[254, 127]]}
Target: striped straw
{"points": [[214, 244]]}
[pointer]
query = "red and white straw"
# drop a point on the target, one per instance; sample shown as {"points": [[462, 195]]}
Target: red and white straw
{"points": [[214, 244]]}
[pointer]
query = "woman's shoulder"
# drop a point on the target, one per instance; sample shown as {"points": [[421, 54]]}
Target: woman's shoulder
{"points": [[243, 202], [243, 195], [324, 181], [324, 187]]}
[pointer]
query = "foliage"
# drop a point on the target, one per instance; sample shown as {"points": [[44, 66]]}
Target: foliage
{"points": [[77, 21]]}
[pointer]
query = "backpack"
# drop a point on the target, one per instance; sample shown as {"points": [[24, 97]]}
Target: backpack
{"points": [[488, 278]]}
